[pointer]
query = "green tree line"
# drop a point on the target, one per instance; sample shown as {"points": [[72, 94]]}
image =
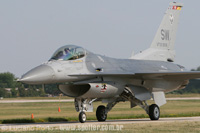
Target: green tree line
{"points": [[9, 87], [192, 87]]}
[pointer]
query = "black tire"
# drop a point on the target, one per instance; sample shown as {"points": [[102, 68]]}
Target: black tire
{"points": [[154, 112], [100, 113], [82, 117]]}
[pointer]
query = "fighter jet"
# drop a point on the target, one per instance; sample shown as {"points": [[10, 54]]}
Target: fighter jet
{"points": [[89, 77]]}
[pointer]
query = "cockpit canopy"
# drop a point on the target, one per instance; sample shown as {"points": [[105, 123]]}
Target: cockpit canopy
{"points": [[68, 52]]}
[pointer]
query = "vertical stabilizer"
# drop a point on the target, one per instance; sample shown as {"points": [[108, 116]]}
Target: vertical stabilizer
{"points": [[162, 47]]}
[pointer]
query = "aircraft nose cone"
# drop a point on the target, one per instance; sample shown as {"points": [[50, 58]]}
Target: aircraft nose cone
{"points": [[39, 75]]}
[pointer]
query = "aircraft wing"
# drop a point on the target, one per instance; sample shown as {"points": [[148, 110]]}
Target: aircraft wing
{"points": [[170, 75], [156, 75]]}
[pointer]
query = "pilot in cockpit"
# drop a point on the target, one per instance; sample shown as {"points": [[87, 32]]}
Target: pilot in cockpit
{"points": [[67, 51]]}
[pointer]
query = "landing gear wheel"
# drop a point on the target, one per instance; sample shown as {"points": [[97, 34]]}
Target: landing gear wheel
{"points": [[82, 117], [154, 112], [101, 113]]}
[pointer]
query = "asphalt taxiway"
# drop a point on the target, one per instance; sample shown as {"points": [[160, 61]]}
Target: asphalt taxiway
{"points": [[89, 124], [72, 100], [76, 125]]}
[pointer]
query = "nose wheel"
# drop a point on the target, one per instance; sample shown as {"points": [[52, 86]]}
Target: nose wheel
{"points": [[101, 113], [82, 117], [154, 112]]}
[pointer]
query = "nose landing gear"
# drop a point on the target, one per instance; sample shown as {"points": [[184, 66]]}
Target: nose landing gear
{"points": [[82, 117]]}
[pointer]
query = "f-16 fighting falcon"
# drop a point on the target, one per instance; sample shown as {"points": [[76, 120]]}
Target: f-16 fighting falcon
{"points": [[89, 77]]}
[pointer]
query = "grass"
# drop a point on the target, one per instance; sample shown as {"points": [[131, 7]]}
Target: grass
{"points": [[48, 112], [66, 97], [45, 112], [182, 95], [184, 127], [154, 127], [18, 121], [38, 98]]}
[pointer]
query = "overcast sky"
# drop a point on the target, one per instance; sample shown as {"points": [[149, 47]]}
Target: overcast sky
{"points": [[31, 30]]}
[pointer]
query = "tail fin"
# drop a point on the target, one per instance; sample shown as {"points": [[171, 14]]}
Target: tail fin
{"points": [[162, 47]]}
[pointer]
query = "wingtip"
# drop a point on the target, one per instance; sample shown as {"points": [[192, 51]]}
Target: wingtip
{"points": [[18, 80]]}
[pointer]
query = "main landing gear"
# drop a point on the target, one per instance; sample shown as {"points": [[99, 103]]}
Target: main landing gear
{"points": [[154, 112], [101, 113]]}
